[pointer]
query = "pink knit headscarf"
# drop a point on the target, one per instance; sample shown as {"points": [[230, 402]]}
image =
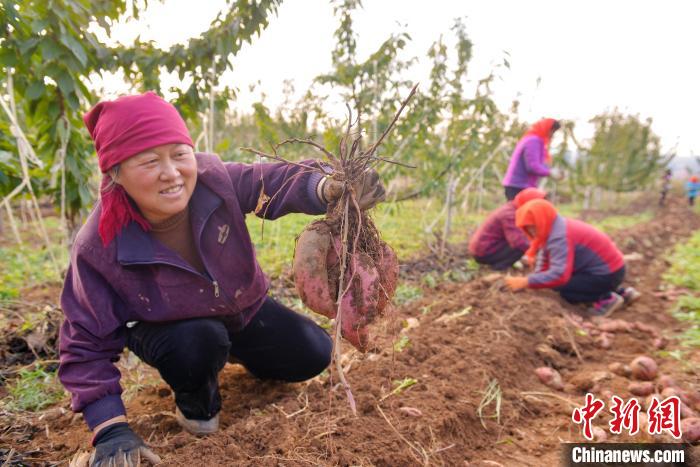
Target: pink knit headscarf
{"points": [[121, 129]]}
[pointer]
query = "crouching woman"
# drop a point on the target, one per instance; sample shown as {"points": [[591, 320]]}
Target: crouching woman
{"points": [[498, 242], [573, 258], [165, 266]]}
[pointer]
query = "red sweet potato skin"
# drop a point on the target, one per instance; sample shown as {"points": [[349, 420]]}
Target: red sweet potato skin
{"points": [[310, 268], [373, 281]]}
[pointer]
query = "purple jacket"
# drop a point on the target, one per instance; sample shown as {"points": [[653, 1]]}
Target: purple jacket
{"points": [[497, 231], [136, 278], [527, 164]]}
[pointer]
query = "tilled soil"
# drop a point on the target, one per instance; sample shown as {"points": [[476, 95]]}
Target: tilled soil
{"points": [[458, 340]]}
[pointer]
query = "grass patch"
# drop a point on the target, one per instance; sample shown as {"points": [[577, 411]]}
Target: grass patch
{"points": [[403, 226], [613, 223], [685, 272], [688, 310], [406, 293], [402, 343], [30, 265], [685, 264], [33, 389], [400, 385]]}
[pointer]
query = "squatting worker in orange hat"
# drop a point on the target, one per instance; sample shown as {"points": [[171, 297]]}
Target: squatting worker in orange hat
{"points": [[165, 266], [530, 160], [573, 258], [498, 242]]}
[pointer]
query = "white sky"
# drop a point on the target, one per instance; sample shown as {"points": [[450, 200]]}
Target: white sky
{"points": [[591, 55]]}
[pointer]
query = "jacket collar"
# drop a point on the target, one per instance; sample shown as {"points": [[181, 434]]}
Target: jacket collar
{"points": [[135, 246]]}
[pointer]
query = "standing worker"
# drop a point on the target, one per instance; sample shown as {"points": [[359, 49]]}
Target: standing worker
{"points": [[665, 186], [692, 187], [165, 266], [531, 159]]}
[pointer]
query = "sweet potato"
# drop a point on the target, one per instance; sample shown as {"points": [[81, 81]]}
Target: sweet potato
{"points": [[670, 391], [363, 295], [620, 369], [643, 368], [310, 269], [605, 340], [599, 434], [665, 381], [651, 330], [687, 412], [691, 429], [641, 389], [550, 377], [660, 343], [615, 325], [317, 275], [692, 398], [359, 304]]}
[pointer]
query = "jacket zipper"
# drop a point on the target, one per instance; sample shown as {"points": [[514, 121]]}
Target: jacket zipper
{"points": [[207, 276]]}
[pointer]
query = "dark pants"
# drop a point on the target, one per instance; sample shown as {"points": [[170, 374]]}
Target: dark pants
{"points": [[583, 288], [512, 192], [691, 200], [277, 344], [501, 259]]}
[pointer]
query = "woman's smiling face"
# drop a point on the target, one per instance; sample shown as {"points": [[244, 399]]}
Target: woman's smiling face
{"points": [[160, 180]]}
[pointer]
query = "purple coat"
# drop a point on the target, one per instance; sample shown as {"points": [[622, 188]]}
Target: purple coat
{"points": [[497, 231], [527, 164], [136, 278]]}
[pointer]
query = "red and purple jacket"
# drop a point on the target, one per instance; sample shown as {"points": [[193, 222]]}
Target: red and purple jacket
{"points": [[497, 231], [574, 247]]}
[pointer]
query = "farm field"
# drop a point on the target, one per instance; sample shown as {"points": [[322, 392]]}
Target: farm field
{"points": [[348, 233], [451, 381]]}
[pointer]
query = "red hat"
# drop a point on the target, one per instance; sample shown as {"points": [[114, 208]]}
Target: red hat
{"points": [[543, 128], [121, 129], [528, 194]]}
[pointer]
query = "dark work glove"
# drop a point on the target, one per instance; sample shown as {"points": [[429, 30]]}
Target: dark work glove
{"points": [[116, 445], [368, 190]]}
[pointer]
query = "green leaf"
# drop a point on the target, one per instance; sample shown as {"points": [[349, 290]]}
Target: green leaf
{"points": [[35, 90], [65, 83], [75, 47], [73, 101], [53, 110], [39, 25], [7, 57], [49, 49], [26, 47]]}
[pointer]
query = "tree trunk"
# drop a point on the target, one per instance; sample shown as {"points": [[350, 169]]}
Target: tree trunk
{"points": [[448, 217]]}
